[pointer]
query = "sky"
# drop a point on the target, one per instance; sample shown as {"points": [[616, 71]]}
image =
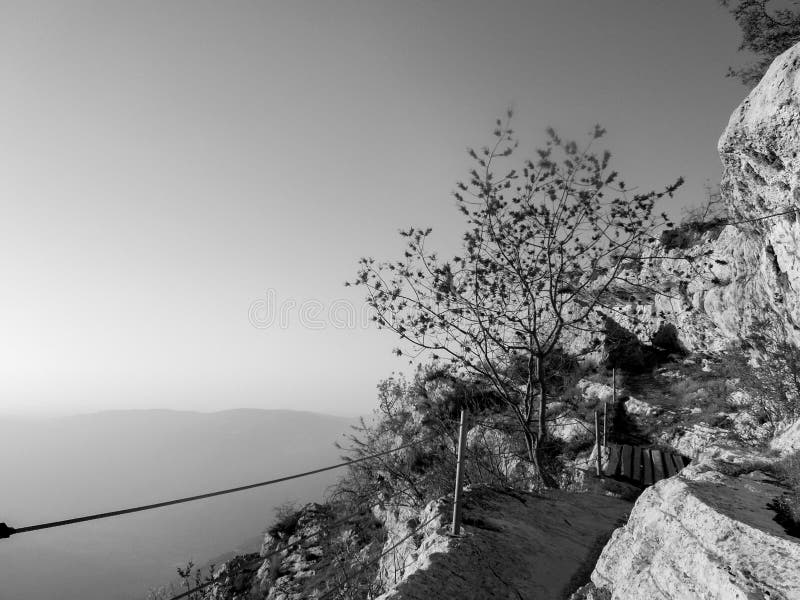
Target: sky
{"points": [[185, 186]]}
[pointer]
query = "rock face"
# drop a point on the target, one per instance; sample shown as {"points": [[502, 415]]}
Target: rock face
{"points": [[310, 552], [703, 534], [720, 282], [759, 152]]}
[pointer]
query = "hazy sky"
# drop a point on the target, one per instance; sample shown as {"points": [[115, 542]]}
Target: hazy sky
{"points": [[167, 166]]}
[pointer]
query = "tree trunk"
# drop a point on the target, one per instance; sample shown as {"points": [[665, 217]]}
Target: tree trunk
{"points": [[539, 458], [530, 445]]}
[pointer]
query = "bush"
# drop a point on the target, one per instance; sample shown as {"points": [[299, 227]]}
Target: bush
{"points": [[710, 216], [708, 394], [772, 376], [425, 412], [287, 516], [689, 234]]}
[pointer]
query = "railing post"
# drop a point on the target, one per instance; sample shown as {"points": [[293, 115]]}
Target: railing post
{"points": [[613, 384], [613, 403], [597, 443], [462, 441]]}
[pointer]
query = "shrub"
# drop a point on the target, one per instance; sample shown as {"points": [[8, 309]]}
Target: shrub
{"points": [[287, 516], [772, 376], [710, 216], [425, 412]]}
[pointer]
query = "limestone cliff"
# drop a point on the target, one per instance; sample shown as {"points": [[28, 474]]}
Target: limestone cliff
{"points": [[719, 281]]}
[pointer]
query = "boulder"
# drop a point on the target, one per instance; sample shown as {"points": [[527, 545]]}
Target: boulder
{"points": [[704, 534], [696, 439], [595, 391], [787, 438], [639, 408]]}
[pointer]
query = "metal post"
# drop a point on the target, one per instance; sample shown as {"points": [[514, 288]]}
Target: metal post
{"points": [[613, 401], [462, 440], [597, 443], [605, 423], [614, 385]]}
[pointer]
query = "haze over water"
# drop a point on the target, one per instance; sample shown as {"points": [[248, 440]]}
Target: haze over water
{"points": [[61, 468]]}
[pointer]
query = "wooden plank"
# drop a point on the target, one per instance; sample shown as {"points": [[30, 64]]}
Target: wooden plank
{"points": [[678, 460], [668, 464], [613, 460], [636, 469], [658, 466], [648, 467], [627, 456]]}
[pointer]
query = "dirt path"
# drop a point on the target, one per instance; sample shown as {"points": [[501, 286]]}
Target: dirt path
{"points": [[519, 546]]}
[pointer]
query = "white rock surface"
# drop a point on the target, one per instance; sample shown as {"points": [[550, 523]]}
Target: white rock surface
{"points": [[702, 535], [595, 391], [739, 398], [695, 440], [640, 408], [787, 440], [745, 272], [569, 428]]}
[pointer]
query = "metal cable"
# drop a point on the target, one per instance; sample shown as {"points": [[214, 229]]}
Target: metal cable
{"points": [[6, 531]]}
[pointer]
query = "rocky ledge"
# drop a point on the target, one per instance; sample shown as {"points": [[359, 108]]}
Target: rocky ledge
{"points": [[707, 533]]}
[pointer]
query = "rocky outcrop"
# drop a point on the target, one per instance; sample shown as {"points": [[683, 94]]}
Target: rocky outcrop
{"points": [[787, 438], [640, 408], [411, 535], [305, 554], [591, 390], [717, 282], [694, 440], [705, 534], [759, 153]]}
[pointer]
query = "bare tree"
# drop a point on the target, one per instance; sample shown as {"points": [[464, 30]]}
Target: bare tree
{"points": [[542, 250]]}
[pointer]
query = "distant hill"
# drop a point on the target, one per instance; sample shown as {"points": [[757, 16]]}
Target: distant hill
{"points": [[52, 469]]}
